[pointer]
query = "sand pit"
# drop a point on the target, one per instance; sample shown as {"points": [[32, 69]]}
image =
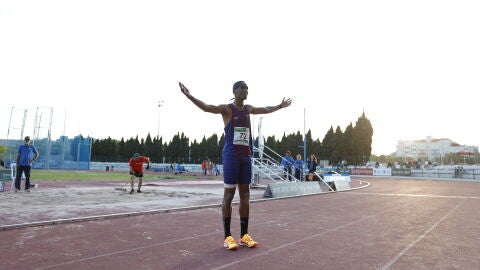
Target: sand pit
{"points": [[61, 200]]}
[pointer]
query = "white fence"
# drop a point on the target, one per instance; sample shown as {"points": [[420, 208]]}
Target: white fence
{"points": [[156, 167]]}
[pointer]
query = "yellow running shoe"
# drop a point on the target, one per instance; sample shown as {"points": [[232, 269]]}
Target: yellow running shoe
{"points": [[248, 241], [230, 243]]}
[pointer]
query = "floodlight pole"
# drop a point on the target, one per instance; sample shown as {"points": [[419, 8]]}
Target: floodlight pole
{"points": [[160, 104], [305, 166]]}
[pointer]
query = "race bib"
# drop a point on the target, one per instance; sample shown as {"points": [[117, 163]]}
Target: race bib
{"points": [[241, 136]]}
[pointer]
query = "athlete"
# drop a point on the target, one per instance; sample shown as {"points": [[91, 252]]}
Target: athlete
{"points": [[236, 156], [136, 170]]}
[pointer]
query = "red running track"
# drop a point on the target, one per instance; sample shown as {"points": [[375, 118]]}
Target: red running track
{"points": [[393, 224]]}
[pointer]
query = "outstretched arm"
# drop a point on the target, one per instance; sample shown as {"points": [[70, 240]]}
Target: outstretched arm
{"points": [[202, 105], [270, 109]]}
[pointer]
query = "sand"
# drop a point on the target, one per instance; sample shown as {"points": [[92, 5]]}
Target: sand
{"points": [[63, 200]]}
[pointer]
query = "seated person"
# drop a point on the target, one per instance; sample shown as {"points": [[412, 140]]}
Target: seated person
{"points": [[179, 169]]}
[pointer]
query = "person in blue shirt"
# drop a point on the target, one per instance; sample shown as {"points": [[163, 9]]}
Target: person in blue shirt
{"points": [[298, 167], [27, 154], [179, 169], [215, 169], [287, 163], [236, 156]]}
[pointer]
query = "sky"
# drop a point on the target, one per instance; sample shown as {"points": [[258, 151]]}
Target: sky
{"points": [[103, 67]]}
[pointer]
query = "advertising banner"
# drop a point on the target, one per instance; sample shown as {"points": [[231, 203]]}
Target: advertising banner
{"points": [[362, 171]]}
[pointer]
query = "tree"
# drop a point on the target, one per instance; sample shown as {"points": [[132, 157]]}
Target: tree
{"points": [[336, 157], [353, 145], [177, 150], [328, 145], [3, 150], [362, 140], [345, 147]]}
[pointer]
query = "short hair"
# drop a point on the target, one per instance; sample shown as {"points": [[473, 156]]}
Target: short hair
{"points": [[239, 84]]}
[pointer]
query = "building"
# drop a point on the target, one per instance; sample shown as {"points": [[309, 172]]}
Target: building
{"points": [[432, 149]]}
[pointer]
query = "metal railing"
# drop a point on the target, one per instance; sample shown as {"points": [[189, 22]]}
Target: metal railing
{"points": [[267, 166], [467, 174]]}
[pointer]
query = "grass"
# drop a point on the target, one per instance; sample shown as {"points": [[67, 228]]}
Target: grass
{"points": [[67, 175]]}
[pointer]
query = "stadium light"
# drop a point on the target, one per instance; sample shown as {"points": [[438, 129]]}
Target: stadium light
{"points": [[160, 104]]}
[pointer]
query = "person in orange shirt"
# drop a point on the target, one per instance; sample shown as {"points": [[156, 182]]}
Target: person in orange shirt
{"points": [[136, 170], [204, 167]]}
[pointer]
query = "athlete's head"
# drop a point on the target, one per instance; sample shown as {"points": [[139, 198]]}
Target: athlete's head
{"points": [[240, 90], [136, 155], [239, 84]]}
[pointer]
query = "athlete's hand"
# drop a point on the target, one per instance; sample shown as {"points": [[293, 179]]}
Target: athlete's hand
{"points": [[148, 166], [285, 103], [184, 89]]}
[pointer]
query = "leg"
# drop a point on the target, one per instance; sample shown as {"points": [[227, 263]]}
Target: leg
{"points": [[18, 177], [230, 180], [245, 239], [132, 177], [244, 192], [245, 179], [131, 181], [244, 209], [139, 183], [228, 195], [27, 170]]}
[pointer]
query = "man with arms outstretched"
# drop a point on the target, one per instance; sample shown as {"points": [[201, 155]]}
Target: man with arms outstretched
{"points": [[236, 155]]}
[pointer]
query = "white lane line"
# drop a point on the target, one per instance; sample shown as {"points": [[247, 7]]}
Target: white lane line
{"points": [[416, 195], [125, 251], [406, 249], [306, 238]]}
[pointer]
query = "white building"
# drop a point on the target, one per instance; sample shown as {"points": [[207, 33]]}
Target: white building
{"points": [[432, 149]]}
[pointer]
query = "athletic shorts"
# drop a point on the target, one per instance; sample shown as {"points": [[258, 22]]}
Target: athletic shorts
{"points": [[136, 174], [237, 170]]}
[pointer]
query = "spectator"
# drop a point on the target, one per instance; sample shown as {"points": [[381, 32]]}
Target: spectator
{"points": [[312, 167], [210, 167], [27, 154], [287, 163], [298, 167], [204, 167], [215, 168], [179, 169]]}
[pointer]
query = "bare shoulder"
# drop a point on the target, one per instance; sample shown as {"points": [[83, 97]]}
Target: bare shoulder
{"points": [[225, 108]]}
